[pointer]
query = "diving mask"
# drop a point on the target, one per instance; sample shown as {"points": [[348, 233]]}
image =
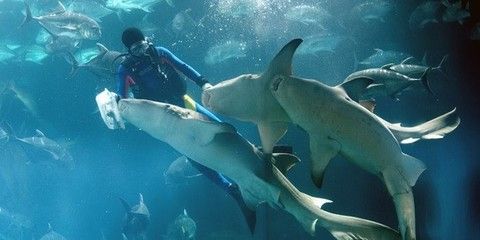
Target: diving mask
{"points": [[139, 48]]}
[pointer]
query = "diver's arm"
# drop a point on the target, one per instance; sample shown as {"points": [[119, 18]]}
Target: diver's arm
{"points": [[181, 66], [123, 81]]}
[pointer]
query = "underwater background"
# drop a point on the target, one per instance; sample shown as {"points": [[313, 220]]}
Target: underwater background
{"points": [[222, 39]]}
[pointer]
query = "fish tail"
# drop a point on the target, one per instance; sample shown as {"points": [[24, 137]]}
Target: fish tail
{"points": [[441, 67], [351, 228], [28, 15], [70, 58], [425, 81]]}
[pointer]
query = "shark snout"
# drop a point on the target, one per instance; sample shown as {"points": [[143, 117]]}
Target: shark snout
{"points": [[122, 106]]}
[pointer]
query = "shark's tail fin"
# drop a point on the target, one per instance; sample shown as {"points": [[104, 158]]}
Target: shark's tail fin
{"points": [[434, 129], [28, 15], [352, 228]]}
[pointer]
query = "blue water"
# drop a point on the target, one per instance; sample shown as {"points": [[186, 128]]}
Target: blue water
{"points": [[83, 203]]}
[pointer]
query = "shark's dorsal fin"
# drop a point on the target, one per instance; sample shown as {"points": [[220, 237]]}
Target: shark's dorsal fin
{"points": [[185, 212], [140, 198], [49, 228], [285, 161], [282, 62], [102, 48]]}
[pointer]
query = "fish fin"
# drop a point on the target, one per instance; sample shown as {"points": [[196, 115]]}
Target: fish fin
{"points": [[211, 129], [101, 48], [409, 140], [368, 104], [322, 150], [378, 50], [387, 66], [407, 60], [125, 204], [140, 196], [39, 133], [355, 87], [185, 212], [270, 133], [28, 15], [170, 3], [70, 58], [282, 62], [60, 8], [411, 169], [424, 59], [440, 126], [319, 202], [285, 161], [441, 66], [425, 81]]}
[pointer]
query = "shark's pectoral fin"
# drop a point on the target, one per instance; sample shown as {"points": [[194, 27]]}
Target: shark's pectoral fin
{"points": [[355, 87], [285, 161], [270, 133], [322, 149]]}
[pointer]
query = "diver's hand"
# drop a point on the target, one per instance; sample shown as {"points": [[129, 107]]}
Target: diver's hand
{"points": [[206, 86]]}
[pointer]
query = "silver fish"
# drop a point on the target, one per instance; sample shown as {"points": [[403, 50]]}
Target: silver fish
{"points": [[62, 22]]}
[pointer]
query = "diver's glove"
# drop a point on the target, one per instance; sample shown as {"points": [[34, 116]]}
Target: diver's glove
{"points": [[204, 83]]}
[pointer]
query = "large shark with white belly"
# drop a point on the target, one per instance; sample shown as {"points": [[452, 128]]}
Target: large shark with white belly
{"points": [[220, 147], [338, 125]]}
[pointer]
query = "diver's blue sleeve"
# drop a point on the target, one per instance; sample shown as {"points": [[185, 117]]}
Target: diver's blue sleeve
{"points": [[187, 70], [123, 81]]}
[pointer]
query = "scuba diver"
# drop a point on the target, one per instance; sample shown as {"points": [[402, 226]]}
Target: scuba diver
{"points": [[153, 73]]}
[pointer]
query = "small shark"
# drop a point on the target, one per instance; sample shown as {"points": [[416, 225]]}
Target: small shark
{"points": [[137, 219], [218, 146]]}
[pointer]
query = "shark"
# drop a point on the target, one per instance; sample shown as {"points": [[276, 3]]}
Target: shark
{"points": [[217, 145], [228, 98], [337, 125]]}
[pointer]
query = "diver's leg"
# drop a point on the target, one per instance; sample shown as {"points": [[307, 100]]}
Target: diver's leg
{"points": [[215, 177]]}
